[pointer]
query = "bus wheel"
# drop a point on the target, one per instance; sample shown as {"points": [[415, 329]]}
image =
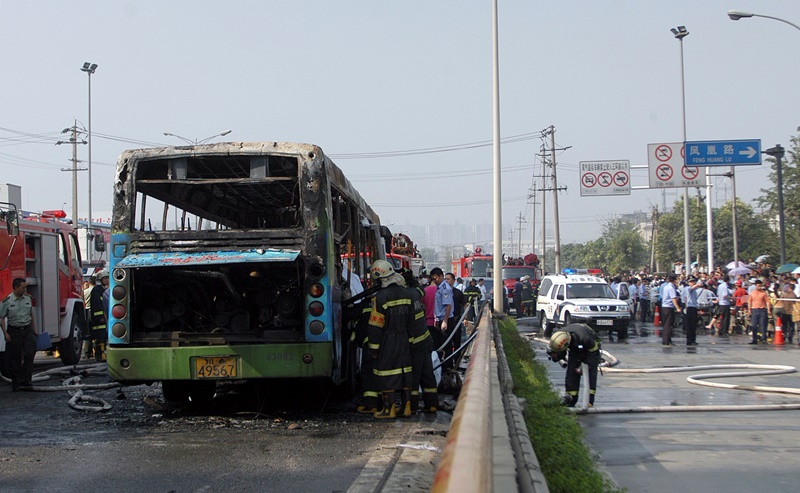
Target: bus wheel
{"points": [[175, 391], [202, 392], [70, 348]]}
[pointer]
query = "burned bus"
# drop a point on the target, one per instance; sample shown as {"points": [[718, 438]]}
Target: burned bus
{"points": [[226, 263]]}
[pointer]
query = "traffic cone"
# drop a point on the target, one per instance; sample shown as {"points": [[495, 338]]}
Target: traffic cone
{"points": [[778, 339], [657, 318]]}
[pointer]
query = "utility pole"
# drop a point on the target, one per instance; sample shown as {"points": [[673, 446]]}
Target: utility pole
{"points": [[551, 131], [532, 196], [520, 222], [74, 141], [653, 237]]}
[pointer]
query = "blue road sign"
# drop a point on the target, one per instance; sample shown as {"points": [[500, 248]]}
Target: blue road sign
{"points": [[723, 152]]}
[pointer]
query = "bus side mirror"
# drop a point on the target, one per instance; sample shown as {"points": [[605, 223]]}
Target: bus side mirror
{"points": [[12, 223], [99, 242]]}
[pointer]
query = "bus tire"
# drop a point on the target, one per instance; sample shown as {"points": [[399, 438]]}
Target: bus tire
{"points": [[70, 348], [202, 392], [175, 391]]}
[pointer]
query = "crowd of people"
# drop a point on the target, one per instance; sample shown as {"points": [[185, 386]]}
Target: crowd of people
{"points": [[717, 302]]}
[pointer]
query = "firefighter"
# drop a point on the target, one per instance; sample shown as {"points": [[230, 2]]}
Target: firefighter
{"points": [[370, 396], [88, 286], [528, 306], [97, 317], [421, 348], [578, 343], [472, 293], [392, 317]]}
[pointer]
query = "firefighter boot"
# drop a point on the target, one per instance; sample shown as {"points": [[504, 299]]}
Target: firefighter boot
{"points": [[389, 410], [100, 351], [407, 409], [87, 349]]}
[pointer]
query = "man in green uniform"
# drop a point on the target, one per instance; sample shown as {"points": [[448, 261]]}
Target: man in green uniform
{"points": [[20, 334]]}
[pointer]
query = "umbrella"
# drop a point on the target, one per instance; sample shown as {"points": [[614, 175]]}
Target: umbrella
{"points": [[796, 271], [739, 271], [762, 258], [734, 265], [783, 269]]}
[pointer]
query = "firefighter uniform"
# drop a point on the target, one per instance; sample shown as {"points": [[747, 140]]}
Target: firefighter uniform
{"points": [[528, 301], [392, 317], [583, 346], [97, 319], [370, 395], [421, 364]]}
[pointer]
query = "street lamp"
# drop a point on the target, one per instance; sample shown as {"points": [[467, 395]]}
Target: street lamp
{"points": [[198, 142], [89, 68], [680, 32], [735, 15], [778, 152]]}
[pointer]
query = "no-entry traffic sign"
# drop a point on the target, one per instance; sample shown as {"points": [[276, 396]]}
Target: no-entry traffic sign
{"points": [[599, 178], [666, 167]]}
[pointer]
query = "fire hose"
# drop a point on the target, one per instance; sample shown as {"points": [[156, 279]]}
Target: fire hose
{"points": [[74, 387], [610, 361]]}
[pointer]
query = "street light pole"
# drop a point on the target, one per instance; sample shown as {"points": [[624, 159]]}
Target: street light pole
{"points": [[735, 15], [680, 32], [89, 68], [497, 259], [778, 152], [197, 142]]}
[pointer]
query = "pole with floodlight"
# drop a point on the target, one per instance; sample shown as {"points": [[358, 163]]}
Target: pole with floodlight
{"points": [[89, 68], [680, 32]]}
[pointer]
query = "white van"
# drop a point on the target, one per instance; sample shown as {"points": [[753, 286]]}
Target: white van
{"points": [[575, 298]]}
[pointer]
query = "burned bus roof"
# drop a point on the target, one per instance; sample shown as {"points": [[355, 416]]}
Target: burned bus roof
{"points": [[131, 159]]}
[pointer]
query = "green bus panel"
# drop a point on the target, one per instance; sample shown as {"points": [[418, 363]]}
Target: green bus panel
{"points": [[127, 364]]}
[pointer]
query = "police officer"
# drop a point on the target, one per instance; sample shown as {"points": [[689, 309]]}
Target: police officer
{"points": [[20, 334], [578, 343], [392, 316]]}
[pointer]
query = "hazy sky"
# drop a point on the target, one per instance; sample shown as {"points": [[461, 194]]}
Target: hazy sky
{"points": [[377, 76]]}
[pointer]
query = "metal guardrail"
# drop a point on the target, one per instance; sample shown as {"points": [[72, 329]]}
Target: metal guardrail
{"points": [[466, 464]]}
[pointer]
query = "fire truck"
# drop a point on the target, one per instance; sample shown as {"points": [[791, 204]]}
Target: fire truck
{"points": [[517, 268], [404, 254], [476, 264], [43, 250]]}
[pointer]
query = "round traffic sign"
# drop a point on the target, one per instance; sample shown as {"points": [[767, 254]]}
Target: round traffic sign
{"points": [[620, 178], [690, 172], [664, 172], [589, 180], [604, 178], [663, 153]]}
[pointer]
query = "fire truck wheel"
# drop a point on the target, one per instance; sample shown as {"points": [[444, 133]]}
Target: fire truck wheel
{"points": [[70, 348]]}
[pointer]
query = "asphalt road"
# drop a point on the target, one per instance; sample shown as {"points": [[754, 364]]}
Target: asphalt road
{"points": [[259, 440], [722, 450]]}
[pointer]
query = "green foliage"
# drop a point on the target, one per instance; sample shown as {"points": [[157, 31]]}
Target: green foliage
{"points": [[791, 198], [567, 463], [619, 249]]}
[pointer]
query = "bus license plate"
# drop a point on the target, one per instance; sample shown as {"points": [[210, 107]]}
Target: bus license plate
{"points": [[216, 367], [605, 322]]}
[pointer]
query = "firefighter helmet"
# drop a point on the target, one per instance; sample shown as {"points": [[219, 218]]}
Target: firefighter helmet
{"points": [[559, 341], [381, 269]]}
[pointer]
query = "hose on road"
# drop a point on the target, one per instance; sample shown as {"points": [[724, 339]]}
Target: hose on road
{"points": [[610, 361], [74, 387]]}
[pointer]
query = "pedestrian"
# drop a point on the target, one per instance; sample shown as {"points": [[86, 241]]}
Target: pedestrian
{"points": [[459, 285], [689, 297], [459, 304], [482, 288], [20, 334], [644, 300], [724, 299], [392, 317], [633, 289], [421, 343], [670, 304], [758, 306], [518, 297], [443, 313], [788, 303], [578, 343]]}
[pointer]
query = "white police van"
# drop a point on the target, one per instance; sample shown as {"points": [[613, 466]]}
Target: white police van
{"points": [[579, 298]]}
